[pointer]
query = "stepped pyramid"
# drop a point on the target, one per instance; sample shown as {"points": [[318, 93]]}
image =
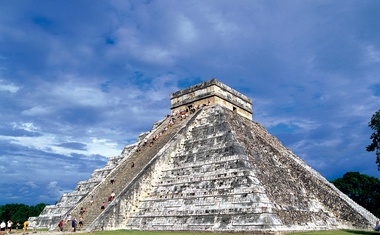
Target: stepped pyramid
{"points": [[210, 168]]}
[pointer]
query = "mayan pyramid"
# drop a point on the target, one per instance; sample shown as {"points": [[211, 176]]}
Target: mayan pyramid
{"points": [[208, 167]]}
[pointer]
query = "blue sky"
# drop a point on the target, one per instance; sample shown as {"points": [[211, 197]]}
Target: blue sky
{"points": [[79, 80]]}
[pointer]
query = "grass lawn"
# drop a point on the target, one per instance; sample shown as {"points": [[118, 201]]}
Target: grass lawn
{"points": [[337, 232], [128, 232]]}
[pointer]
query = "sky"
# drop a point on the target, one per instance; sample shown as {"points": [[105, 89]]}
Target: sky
{"points": [[81, 79]]}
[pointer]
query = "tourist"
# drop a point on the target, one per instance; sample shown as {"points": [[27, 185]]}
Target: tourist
{"points": [[82, 211], [9, 225], [17, 225], [60, 225], [74, 224], [132, 165], [81, 221], [112, 180], [68, 218], [138, 147], [102, 206], [91, 200], [2, 227], [34, 226], [26, 223], [377, 226], [113, 195], [151, 142]]}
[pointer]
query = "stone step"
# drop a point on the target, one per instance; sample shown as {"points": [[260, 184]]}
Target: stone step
{"points": [[124, 172]]}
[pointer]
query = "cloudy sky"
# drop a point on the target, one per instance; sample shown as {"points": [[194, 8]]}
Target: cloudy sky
{"points": [[81, 79]]}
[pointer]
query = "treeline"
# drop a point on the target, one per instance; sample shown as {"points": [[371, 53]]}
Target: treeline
{"points": [[19, 212], [363, 189]]}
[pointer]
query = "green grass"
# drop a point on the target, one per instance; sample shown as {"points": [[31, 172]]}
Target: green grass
{"points": [[135, 232], [333, 232], [337, 232]]}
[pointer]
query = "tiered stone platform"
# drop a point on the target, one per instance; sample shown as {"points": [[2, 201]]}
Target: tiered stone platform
{"points": [[99, 186], [223, 172], [52, 214], [212, 170]]}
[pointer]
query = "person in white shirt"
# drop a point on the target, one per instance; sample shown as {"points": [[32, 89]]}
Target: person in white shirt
{"points": [[9, 226], [112, 195], [2, 227]]}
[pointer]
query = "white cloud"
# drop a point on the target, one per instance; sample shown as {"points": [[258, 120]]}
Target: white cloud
{"points": [[31, 184], [186, 30], [104, 147], [7, 86], [296, 123], [140, 49], [304, 146], [54, 190], [49, 143], [74, 91], [373, 54], [38, 110], [154, 54], [28, 126]]}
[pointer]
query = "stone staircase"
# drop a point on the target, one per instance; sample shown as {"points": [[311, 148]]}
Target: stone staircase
{"points": [[206, 179], [223, 172], [52, 214], [125, 172]]}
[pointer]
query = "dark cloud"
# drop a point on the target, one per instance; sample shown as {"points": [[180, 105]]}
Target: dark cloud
{"points": [[376, 90], [73, 145], [17, 132]]}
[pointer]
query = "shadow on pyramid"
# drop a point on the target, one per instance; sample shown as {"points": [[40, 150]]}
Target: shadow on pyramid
{"points": [[208, 167]]}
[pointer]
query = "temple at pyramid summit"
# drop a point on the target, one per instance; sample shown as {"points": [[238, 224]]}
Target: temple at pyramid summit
{"points": [[210, 93], [207, 167]]}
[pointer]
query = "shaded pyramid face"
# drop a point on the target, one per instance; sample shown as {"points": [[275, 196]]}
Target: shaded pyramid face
{"points": [[223, 172]]}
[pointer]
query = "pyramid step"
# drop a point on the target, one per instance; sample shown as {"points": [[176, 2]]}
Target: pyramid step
{"points": [[124, 173], [217, 170]]}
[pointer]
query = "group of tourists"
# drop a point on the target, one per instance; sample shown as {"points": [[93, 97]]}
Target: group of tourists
{"points": [[180, 114], [154, 138], [6, 227], [74, 222], [110, 198]]}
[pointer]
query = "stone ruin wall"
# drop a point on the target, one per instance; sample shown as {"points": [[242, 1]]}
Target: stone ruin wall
{"points": [[205, 186], [118, 213], [210, 93], [239, 179], [294, 200], [226, 94], [128, 202], [224, 172], [52, 214], [214, 189], [231, 106]]}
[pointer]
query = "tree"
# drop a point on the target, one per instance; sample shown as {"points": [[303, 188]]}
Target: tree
{"points": [[375, 137], [19, 212], [361, 188]]}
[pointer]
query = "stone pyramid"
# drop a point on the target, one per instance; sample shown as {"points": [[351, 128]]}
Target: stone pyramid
{"points": [[211, 169]]}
